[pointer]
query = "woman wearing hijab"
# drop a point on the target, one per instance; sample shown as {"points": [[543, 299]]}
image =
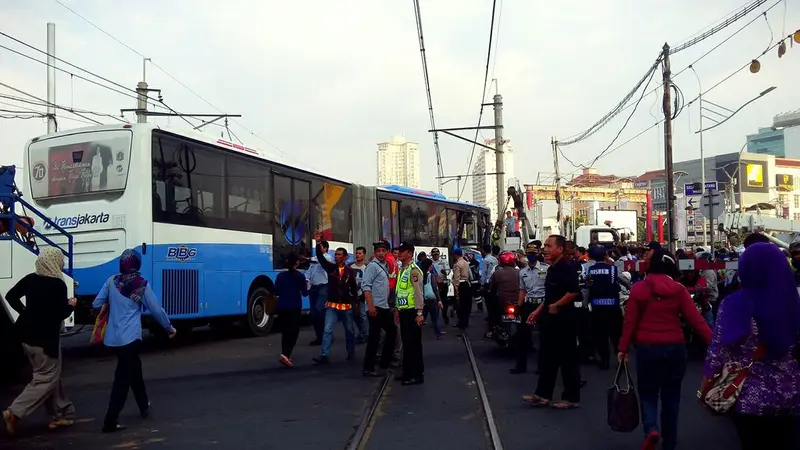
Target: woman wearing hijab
{"points": [[760, 324], [39, 327], [127, 295]]}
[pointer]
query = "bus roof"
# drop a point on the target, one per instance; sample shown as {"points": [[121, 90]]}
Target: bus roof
{"points": [[426, 195]]}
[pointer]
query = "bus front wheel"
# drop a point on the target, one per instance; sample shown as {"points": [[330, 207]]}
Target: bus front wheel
{"points": [[260, 311]]}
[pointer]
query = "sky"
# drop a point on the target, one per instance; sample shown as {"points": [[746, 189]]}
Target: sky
{"points": [[320, 83]]}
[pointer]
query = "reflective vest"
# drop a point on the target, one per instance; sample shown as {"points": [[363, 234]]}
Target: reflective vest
{"points": [[404, 298]]}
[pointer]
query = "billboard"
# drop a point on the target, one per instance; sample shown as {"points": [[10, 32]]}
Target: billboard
{"points": [[755, 176], [784, 183]]}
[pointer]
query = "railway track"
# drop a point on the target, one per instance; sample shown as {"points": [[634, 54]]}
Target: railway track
{"points": [[360, 438]]}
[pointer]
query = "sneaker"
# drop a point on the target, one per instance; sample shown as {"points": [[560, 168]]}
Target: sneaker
{"points": [[651, 441], [285, 361], [351, 356], [10, 421], [145, 413]]}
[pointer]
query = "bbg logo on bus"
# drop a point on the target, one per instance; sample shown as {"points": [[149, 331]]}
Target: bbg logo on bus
{"points": [[181, 253], [78, 220]]}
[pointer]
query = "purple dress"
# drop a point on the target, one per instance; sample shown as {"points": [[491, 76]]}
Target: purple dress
{"points": [[773, 386]]}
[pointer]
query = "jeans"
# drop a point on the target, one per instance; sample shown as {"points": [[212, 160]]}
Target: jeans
{"points": [[333, 315], [360, 320], [709, 316], [318, 297], [432, 308], [659, 373], [290, 324], [128, 376]]}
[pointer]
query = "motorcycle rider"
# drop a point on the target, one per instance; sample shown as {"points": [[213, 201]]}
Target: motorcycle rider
{"points": [[603, 286], [502, 289], [531, 294]]}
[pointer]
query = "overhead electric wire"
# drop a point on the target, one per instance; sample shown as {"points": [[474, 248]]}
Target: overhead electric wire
{"points": [[580, 136], [20, 91], [133, 94], [62, 108], [426, 78], [179, 82], [714, 30], [483, 96]]}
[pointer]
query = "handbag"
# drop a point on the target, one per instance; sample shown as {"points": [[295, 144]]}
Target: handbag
{"points": [[428, 289], [724, 388], [622, 405]]}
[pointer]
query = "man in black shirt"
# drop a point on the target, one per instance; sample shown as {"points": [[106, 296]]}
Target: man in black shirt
{"points": [[558, 332]]}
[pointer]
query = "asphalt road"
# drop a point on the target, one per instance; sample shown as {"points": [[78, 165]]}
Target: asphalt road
{"points": [[227, 392]]}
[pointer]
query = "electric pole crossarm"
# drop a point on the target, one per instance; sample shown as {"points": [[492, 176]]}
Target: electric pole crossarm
{"points": [[444, 130], [465, 139]]}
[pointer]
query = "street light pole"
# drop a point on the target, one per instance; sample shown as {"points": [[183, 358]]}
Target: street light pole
{"points": [[702, 157]]}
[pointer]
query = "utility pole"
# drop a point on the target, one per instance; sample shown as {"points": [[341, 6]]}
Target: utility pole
{"points": [[703, 166], [141, 93], [52, 125], [498, 155], [560, 212], [667, 81]]}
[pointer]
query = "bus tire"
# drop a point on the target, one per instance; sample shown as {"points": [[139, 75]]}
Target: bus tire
{"points": [[260, 311]]}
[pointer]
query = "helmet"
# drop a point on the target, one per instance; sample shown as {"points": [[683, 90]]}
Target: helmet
{"points": [[507, 259]]}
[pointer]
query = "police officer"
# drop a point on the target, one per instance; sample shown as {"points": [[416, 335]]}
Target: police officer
{"points": [[603, 286], [531, 294], [410, 301]]}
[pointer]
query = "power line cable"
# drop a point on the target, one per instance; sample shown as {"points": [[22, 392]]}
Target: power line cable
{"points": [[63, 108], [19, 91], [714, 30], [426, 78], [483, 96]]}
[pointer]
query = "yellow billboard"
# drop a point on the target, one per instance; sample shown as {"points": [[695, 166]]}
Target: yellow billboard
{"points": [[755, 175]]}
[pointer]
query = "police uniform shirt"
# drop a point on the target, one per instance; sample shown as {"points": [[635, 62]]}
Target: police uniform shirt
{"points": [[602, 284], [532, 281]]}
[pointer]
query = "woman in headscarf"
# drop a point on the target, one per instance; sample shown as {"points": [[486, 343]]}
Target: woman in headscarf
{"points": [[760, 324], [127, 295], [39, 328]]}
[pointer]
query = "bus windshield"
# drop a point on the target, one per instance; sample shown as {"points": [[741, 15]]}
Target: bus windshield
{"points": [[79, 164]]}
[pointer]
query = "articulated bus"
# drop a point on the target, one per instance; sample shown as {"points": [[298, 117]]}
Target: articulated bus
{"points": [[214, 220]]}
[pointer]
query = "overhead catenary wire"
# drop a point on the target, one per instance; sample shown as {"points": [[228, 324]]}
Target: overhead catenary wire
{"points": [[20, 91], [178, 81], [63, 108], [483, 96], [427, 81], [716, 29]]}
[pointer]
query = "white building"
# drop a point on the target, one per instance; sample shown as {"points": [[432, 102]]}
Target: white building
{"points": [[398, 162], [484, 187]]}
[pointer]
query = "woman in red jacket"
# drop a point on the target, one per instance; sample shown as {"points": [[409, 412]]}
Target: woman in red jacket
{"points": [[653, 324]]}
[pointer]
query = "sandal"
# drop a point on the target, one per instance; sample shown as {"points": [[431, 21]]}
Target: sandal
{"points": [[565, 405], [60, 423], [535, 400], [285, 361]]}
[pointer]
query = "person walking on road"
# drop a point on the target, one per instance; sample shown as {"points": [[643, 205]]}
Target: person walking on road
{"points": [[410, 303], [375, 286], [558, 330], [531, 295], [39, 328], [126, 295], [318, 292], [463, 289], [342, 295], [653, 324], [760, 324], [603, 288], [290, 287], [433, 299]]}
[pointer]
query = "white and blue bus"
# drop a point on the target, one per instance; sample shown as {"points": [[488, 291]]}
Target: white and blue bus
{"points": [[215, 220]]}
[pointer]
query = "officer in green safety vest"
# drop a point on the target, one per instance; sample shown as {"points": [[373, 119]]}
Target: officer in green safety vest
{"points": [[409, 300]]}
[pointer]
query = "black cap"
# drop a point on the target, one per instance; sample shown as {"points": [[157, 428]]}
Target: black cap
{"points": [[653, 245], [405, 246], [598, 252], [381, 244]]}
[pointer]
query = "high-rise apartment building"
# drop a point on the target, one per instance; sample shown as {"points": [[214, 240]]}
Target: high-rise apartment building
{"points": [[484, 187], [398, 162]]}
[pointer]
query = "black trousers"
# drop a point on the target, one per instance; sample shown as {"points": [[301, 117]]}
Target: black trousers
{"points": [[762, 432], [559, 350], [290, 330], [464, 304], [585, 336], [524, 336], [383, 320], [411, 333], [446, 302], [127, 376], [606, 328]]}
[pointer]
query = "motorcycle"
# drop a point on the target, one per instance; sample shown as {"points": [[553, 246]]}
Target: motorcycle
{"points": [[505, 331]]}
